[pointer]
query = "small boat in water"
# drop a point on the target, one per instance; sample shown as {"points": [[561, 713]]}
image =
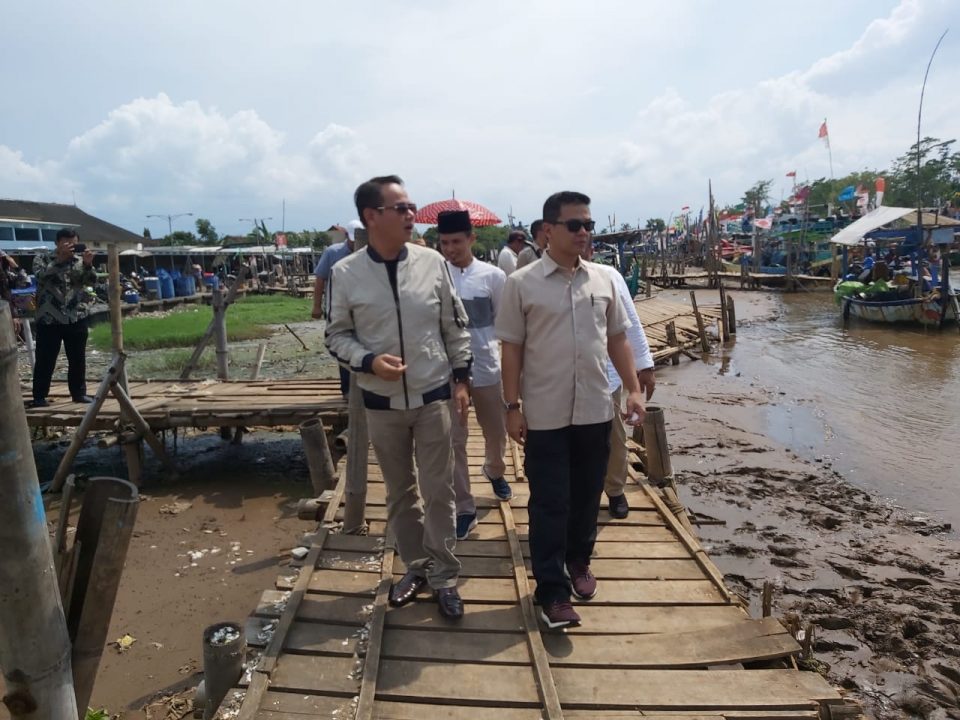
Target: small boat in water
{"points": [[909, 284]]}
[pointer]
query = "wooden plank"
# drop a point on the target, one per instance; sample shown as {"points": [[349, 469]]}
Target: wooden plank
{"points": [[316, 674], [637, 517], [626, 619], [461, 647], [606, 570], [340, 582], [613, 687], [491, 684], [482, 617], [386, 710], [371, 660], [475, 567], [747, 641]]}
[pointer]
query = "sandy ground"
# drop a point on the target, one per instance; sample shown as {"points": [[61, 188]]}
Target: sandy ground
{"points": [[880, 584]]}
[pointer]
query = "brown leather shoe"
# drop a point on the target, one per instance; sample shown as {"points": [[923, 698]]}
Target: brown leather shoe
{"points": [[406, 588], [451, 605]]}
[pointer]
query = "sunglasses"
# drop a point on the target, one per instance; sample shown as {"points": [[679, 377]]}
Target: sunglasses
{"points": [[575, 225], [400, 208]]}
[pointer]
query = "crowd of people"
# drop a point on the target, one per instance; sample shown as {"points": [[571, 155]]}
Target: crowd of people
{"points": [[546, 347]]}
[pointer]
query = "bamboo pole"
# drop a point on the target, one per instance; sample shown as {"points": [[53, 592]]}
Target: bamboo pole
{"points": [[701, 330], [66, 462], [731, 315], [34, 643], [261, 351], [355, 496], [724, 329], [671, 330], [104, 530], [211, 328], [128, 408], [323, 473], [116, 313], [220, 334]]}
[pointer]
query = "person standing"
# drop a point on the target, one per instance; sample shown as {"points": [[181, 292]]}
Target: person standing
{"points": [[61, 317], [395, 320], [507, 259], [616, 477], [479, 286], [532, 253], [330, 257], [559, 320], [8, 267]]}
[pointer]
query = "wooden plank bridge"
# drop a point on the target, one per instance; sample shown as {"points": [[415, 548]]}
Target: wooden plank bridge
{"points": [[663, 638]]}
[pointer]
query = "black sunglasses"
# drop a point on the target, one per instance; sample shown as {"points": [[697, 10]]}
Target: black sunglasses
{"points": [[576, 224], [400, 208]]}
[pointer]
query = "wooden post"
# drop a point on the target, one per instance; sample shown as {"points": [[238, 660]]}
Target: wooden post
{"points": [[34, 642], [731, 315], [767, 599], [133, 453], [671, 329], [104, 530], [261, 351], [116, 312], [724, 329], [659, 466], [323, 473], [116, 366], [704, 342], [835, 263], [211, 328], [220, 334], [128, 409]]}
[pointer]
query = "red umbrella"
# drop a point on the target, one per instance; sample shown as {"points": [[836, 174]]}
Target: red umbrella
{"points": [[479, 215]]}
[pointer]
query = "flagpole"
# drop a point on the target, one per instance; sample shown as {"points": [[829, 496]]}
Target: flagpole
{"points": [[829, 150]]}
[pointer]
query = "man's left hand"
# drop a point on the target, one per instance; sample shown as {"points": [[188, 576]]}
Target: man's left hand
{"points": [[635, 411], [648, 381], [88, 257], [461, 400]]}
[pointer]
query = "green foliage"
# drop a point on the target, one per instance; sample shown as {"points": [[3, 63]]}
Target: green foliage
{"points": [[824, 192], [181, 237], [207, 232], [939, 180], [757, 197], [100, 714], [246, 319], [488, 238], [146, 234], [656, 225]]}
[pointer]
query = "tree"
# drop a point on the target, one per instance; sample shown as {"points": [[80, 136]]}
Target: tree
{"points": [[756, 197], [181, 237], [206, 231], [146, 234], [939, 178], [656, 225], [625, 227]]}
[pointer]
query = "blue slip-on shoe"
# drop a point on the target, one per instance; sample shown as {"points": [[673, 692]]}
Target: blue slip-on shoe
{"points": [[501, 488], [465, 523]]}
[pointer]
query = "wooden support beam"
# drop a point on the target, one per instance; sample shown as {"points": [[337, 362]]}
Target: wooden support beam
{"points": [[128, 409], [211, 328], [701, 330], [671, 329], [731, 315], [116, 313]]}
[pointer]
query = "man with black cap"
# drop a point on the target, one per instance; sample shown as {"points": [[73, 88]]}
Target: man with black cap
{"points": [[479, 286]]}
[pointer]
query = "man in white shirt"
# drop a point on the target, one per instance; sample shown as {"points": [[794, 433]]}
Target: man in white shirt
{"points": [[507, 259], [479, 286], [616, 477]]}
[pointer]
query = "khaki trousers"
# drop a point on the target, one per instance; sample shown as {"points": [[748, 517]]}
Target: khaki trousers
{"points": [[616, 476], [420, 509], [488, 407]]}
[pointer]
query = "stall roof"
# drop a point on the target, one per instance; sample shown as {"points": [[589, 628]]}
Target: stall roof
{"points": [[854, 233]]}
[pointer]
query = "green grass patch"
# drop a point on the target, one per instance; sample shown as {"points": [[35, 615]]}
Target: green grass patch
{"points": [[248, 318]]}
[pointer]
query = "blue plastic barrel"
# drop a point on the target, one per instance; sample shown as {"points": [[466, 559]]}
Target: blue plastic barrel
{"points": [[211, 281], [131, 297], [152, 286], [185, 285], [166, 287]]}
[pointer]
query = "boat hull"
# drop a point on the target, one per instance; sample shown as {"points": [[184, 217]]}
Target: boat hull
{"points": [[916, 311]]}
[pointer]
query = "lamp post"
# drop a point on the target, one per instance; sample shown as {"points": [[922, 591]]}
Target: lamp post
{"points": [[170, 219]]}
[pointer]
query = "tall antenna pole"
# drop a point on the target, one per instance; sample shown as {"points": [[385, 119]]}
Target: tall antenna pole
{"points": [[923, 89]]}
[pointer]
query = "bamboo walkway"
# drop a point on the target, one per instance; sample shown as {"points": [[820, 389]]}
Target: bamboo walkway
{"points": [[663, 638], [655, 314], [203, 403]]}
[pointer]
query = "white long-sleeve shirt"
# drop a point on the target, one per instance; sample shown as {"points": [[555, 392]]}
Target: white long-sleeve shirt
{"points": [[635, 335], [480, 286]]}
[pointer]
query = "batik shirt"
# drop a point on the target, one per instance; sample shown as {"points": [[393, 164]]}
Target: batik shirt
{"points": [[61, 290]]}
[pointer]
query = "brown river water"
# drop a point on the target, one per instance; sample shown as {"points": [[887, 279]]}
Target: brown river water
{"points": [[880, 403]]}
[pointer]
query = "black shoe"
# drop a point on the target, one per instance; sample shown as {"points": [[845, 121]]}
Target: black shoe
{"points": [[451, 605], [618, 507], [465, 523], [500, 487], [406, 589], [38, 403], [84, 399]]}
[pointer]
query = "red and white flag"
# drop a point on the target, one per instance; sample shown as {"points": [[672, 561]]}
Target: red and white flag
{"points": [[792, 173], [823, 130]]}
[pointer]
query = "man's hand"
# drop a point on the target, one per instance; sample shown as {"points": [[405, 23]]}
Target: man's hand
{"points": [[88, 257], [64, 252], [635, 410], [517, 426], [388, 367], [461, 400], [648, 382]]}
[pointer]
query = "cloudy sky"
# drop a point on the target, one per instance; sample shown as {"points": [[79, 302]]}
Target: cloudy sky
{"points": [[226, 108]]}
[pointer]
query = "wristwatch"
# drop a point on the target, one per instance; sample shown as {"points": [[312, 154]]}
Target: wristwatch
{"points": [[511, 406]]}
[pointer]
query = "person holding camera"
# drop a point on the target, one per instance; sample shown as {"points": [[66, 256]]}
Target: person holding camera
{"points": [[62, 315]]}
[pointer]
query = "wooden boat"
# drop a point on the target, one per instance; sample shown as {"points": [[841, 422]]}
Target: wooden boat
{"points": [[926, 311]]}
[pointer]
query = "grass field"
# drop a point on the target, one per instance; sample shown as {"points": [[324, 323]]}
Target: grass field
{"points": [[247, 319]]}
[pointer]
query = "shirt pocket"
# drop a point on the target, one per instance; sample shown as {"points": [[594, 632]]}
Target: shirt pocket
{"points": [[601, 306]]}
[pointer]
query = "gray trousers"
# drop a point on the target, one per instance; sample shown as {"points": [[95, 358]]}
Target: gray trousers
{"points": [[488, 407], [616, 476], [420, 509]]}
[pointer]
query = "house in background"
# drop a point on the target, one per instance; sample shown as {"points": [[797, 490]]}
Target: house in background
{"points": [[28, 227]]}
